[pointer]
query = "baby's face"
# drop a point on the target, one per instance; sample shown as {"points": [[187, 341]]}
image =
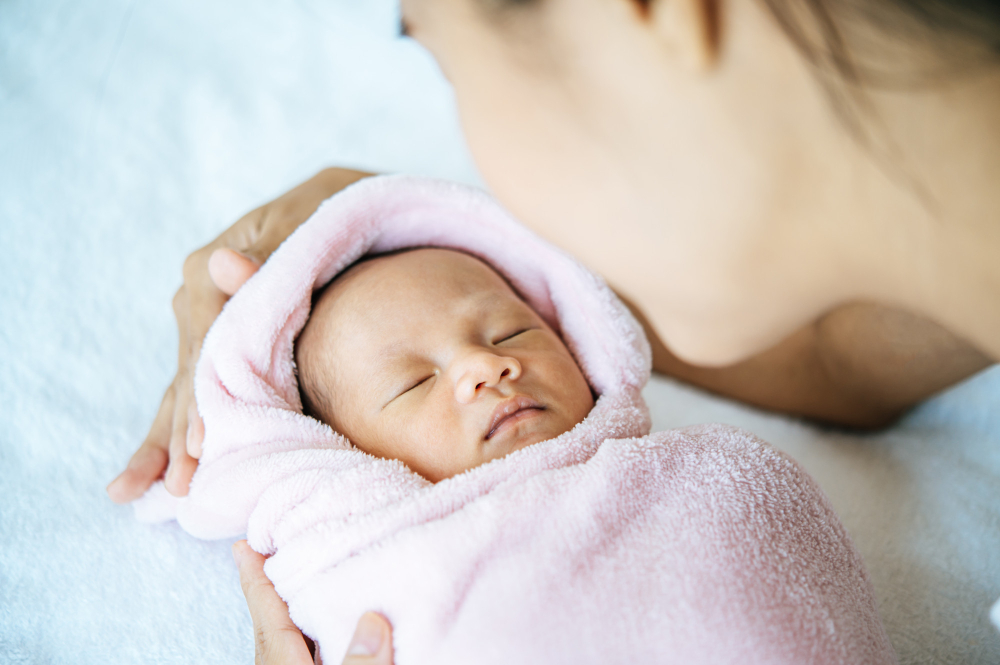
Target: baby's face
{"points": [[430, 358]]}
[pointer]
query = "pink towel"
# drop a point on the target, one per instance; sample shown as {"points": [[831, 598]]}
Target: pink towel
{"points": [[604, 545]]}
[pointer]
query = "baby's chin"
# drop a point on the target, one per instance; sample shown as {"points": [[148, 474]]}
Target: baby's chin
{"points": [[544, 426]]}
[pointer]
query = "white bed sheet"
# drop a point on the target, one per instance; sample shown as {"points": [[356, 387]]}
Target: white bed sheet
{"points": [[130, 133]]}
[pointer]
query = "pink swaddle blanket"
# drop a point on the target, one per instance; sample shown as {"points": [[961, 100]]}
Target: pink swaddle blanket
{"points": [[604, 545]]}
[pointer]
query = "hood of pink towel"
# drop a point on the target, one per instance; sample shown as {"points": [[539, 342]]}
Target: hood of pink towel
{"points": [[604, 544], [246, 382]]}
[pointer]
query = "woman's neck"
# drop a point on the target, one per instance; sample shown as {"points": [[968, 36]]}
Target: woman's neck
{"points": [[932, 241]]}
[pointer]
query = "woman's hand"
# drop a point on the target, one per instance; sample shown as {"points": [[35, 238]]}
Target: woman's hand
{"points": [[279, 642], [210, 277]]}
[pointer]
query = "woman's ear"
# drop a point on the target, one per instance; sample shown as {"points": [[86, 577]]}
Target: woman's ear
{"points": [[688, 28]]}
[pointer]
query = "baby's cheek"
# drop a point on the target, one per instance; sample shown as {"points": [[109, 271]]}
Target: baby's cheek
{"points": [[434, 443], [576, 394]]}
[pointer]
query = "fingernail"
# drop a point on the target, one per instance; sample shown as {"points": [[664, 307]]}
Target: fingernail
{"points": [[238, 552], [368, 636], [195, 432], [113, 486], [247, 255]]}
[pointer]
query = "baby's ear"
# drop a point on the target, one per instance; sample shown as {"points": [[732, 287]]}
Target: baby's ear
{"points": [[230, 270]]}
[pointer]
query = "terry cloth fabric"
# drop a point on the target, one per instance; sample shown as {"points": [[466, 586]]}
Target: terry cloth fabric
{"points": [[606, 544]]}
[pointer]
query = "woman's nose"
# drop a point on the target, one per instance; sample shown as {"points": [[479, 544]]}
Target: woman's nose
{"points": [[481, 370]]}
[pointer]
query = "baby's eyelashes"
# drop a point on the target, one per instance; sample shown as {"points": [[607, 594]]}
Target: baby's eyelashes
{"points": [[512, 335], [507, 337], [418, 383], [412, 387]]}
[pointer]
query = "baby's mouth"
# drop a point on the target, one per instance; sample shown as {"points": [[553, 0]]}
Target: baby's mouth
{"points": [[510, 411]]}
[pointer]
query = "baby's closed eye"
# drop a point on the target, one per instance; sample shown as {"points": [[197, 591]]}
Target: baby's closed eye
{"points": [[419, 383], [507, 338]]}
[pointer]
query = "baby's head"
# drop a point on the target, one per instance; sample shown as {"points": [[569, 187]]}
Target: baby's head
{"points": [[430, 357]]}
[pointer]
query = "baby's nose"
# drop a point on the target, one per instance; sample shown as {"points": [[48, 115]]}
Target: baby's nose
{"points": [[484, 370]]}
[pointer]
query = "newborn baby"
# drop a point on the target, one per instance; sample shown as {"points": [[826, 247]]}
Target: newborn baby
{"points": [[462, 445], [431, 358]]}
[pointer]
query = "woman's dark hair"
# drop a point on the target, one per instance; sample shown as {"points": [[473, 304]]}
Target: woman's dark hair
{"points": [[832, 34], [857, 46], [878, 43]]}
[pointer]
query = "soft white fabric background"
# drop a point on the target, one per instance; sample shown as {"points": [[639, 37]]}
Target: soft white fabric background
{"points": [[132, 132]]}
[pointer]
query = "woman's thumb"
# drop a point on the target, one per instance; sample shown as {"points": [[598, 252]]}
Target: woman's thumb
{"points": [[372, 642], [230, 270], [278, 641]]}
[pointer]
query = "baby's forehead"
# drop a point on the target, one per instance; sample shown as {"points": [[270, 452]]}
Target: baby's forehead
{"points": [[392, 290], [432, 271]]}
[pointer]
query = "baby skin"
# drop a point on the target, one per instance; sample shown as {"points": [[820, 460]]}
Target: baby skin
{"points": [[430, 357]]}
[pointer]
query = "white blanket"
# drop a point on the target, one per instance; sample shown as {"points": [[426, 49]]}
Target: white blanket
{"points": [[131, 133]]}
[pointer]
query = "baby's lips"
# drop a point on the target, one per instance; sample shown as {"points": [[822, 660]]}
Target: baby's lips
{"points": [[508, 408]]}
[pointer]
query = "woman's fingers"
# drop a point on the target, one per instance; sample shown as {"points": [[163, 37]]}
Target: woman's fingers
{"points": [[191, 427], [202, 304], [229, 269], [196, 306], [277, 640], [175, 439], [182, 466], [156, 453], [372, 642], [173, 445], [195, 431], [149, 461]]}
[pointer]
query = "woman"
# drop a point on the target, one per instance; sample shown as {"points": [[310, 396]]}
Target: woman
{"points": [[798, 196]]}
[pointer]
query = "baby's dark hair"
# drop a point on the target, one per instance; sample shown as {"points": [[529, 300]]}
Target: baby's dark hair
{"points": [[314, 400]]}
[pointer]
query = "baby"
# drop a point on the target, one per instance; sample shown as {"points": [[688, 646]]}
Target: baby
{"points": [[430, 357], [461, 444]]}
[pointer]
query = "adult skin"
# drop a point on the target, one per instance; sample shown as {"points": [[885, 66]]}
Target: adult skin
{"points": [[687, 150], [277, 640], [830, 259]]}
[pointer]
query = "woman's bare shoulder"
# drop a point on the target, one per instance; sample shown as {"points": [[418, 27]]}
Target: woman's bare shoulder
{"points": [[861, 365], [892, 357]]}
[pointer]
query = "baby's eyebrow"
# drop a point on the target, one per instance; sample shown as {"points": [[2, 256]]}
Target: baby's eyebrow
{"points": [[389, 356], [488, 304]]}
